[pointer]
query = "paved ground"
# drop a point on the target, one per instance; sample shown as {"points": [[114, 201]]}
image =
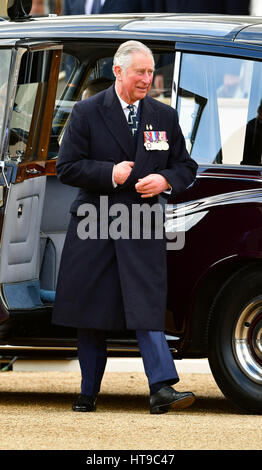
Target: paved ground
{"points": [[35, 413], [114, 364]]}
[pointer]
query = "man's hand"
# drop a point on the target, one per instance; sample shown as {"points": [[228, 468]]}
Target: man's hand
{"points": [[151, 185], [121, 171]]}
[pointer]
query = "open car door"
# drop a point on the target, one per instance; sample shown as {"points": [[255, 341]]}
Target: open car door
{"points": [[34, 71]]}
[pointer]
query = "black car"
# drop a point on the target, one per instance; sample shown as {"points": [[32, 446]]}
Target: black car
{"points": [[210, 69]]}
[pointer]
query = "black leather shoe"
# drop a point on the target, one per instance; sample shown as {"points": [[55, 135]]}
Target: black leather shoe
{"points": [[85, 403], [161, 401]]}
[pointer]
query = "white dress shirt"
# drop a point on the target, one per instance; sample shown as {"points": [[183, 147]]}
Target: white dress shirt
{"points": [[125, 106], [255, 8]]}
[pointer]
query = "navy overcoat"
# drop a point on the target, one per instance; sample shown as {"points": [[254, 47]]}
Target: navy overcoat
{"points": [[104, 282]]}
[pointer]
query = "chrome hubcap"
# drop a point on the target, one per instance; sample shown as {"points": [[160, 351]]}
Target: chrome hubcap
{"points": [[247, 340]]}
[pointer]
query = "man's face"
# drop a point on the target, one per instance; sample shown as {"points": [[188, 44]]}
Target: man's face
{"points": [[135, 82]]}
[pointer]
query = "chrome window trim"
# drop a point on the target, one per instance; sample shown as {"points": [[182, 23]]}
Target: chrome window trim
{"points": [[176, 77], [257, 180]]}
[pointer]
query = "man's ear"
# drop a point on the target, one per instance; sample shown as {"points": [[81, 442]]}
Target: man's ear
{"points": [[118, 72]]}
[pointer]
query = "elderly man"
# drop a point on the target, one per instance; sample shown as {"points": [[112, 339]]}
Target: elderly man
{"points": [[122, 149]]}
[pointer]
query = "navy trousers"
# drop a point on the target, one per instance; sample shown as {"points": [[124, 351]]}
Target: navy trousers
{"points": [[157, 359]]}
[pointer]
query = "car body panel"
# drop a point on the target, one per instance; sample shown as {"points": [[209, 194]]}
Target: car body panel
{"points": [[219, 35], [251, 35], [171, 27], [209, 68]]}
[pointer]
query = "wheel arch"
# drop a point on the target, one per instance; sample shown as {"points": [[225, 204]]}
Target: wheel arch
{"points": [[206, 292]]}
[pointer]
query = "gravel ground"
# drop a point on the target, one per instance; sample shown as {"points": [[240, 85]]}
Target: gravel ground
{"points": [[35, 413]]}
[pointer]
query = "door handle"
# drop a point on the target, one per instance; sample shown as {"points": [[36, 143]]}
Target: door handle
{"points": [[20, 210], [33, 171]]}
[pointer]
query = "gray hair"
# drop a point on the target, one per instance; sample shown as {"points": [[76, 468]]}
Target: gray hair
{"points": [[123, 55]]}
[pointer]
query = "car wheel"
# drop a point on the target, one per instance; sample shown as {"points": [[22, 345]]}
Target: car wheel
{"points": [[235, 339]]}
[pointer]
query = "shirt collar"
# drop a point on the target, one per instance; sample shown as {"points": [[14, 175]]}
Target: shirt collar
{"points": [[124, 104]]}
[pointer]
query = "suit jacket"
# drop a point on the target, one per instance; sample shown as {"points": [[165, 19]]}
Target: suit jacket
{"points": [[231, 7], [115, 283]]}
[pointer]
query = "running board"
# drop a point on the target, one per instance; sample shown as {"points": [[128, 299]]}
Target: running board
{"points": [[114, 345]]}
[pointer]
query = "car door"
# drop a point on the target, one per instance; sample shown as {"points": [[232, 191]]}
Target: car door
{"points": [[218, 97], [27, 121]]}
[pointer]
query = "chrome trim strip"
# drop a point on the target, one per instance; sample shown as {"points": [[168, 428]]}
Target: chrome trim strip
{"points": [[65, 348], [38, 348], [9, 347], [176, 79], [228, 177]]}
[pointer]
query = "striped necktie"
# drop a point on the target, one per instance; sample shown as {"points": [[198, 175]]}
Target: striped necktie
{"points": [[132, 120], [96, 7]]}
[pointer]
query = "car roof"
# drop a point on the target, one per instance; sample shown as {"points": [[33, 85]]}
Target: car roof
{"points": [[138, 26]]}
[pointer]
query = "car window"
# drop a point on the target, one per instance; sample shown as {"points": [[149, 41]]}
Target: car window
{"points": [[81, 77], [220, 109], [28, 122], [5, 59]]}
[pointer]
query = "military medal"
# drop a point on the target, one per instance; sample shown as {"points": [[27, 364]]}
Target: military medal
{"points": [[155, 140]]}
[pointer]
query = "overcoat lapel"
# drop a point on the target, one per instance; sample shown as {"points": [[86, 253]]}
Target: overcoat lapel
{"points": [[116, 122]]}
